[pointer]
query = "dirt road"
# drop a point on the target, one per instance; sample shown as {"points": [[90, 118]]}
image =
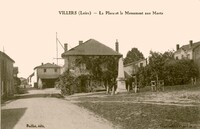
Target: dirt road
{"points": [[41, 110]]}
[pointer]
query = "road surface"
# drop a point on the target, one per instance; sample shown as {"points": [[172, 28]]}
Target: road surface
{"points": [[44, 109]]}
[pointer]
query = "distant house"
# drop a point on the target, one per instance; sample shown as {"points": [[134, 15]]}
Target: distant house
{"points": [[17, 80], [30, 80], [15, 71], [92, 49], [189, 51], [24, 82], [44, 76], [6, 75], [132, 68]]}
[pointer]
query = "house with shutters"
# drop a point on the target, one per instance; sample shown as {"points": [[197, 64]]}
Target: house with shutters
{"points": [[91, 49], [44, 76]]}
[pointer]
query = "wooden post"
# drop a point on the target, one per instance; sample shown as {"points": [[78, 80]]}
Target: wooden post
{"points": [[195, 81], [128, 87], [113, 86], [136, 84], [156, 82], [163, 85], [113, 90], [153, 85], [107, 87]]}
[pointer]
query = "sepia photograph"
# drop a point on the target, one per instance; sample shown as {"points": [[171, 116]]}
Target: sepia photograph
{"points": [[132, 64]]}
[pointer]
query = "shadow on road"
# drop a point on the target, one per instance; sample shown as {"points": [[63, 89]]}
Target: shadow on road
{"points": [[27, 96], [10, 117], [55, 95]]}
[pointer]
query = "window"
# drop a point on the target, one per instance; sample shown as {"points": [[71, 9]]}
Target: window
{"points": [[182, 56], [188, 56], [55, 70], [141, 64], [45, 70], [82, 66], [177, 58]]}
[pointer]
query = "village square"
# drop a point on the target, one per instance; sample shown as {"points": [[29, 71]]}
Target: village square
{"points": [[97, 64], [99, 88]]}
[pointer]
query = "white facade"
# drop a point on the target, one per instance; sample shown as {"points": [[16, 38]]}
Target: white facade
{"points": [[181, 54], [44, 71], [32, 78], [133, 67], [187, 51]]}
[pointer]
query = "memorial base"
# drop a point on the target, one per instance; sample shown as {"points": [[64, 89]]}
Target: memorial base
{"points": [[121, 87]]}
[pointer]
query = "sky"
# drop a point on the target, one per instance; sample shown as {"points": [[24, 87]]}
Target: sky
{"points": [[28, 28]]}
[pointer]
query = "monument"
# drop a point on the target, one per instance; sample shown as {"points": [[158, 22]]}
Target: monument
{"points": [[121, 87]]}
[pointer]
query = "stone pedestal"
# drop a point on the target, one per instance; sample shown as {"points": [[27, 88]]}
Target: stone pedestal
{"points": [[121, 87]]}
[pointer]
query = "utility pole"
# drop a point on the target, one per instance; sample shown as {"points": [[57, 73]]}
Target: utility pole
{"points": [[56, 48], [58, 41]]}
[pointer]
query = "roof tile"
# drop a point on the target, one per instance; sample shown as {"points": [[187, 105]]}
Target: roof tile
{"points": [[48, 65], [91, 47]]}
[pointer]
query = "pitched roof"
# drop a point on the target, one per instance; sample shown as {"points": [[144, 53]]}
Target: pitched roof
{"points": [[127, 75], [48, 65], [187, 47], [32, 75], [135, 62], [4, 55], [91, 47]]}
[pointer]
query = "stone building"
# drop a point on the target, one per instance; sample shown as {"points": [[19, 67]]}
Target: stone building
{"points": [[189, 51], [6, 75], [92, 49], [44, 76]]}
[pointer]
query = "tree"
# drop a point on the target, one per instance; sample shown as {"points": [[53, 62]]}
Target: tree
{"points": [[143, 75], [179, 72], [101, 68], [156, 63], [163, 66], [17, 83], [155, 69], [67, 82], [133, 55], [168, 55]]}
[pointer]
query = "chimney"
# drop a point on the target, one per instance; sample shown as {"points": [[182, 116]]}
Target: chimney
{"points": [[117, 46], [177, 46], [191, 43], [42, 63], [66, 47], [80, 42]]}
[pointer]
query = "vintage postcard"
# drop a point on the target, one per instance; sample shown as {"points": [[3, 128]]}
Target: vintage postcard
{"points": [[131, 64]]}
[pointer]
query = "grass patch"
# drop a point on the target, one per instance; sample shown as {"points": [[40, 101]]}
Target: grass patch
{"points": [[182, 87], [121, 110], [142, 116], [171, 93]]}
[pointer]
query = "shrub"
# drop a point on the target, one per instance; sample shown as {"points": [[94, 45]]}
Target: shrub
{"points": [[67, 82], [164, 67]]}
